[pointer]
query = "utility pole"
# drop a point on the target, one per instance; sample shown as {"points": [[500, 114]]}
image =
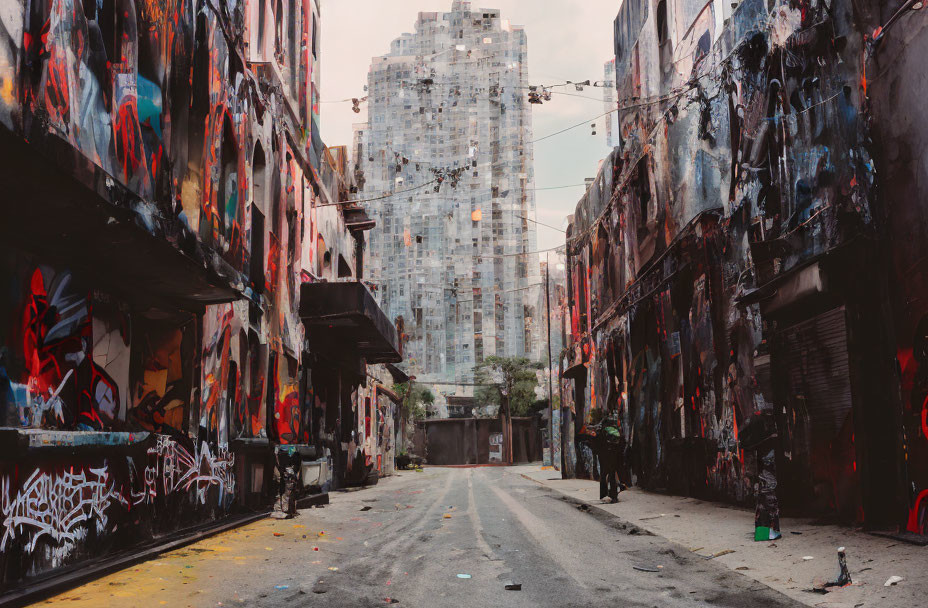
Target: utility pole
{"points": [[507, 429], [550, 392], [404, 419]]}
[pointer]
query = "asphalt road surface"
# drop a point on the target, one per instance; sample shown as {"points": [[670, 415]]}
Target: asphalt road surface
{"points": [[406, 550], [442, 537]]}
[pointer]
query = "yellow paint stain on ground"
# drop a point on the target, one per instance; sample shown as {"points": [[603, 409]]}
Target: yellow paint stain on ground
{"points": [[200, 568]]}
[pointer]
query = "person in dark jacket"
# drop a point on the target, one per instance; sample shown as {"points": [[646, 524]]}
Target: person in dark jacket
{"points": [[609, 449]]}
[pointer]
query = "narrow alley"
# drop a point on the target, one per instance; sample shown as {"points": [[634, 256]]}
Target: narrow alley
{"points": [[407, 540], [436, 303]]}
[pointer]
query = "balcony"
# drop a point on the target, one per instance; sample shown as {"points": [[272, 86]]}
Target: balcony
{"points": [[345, 318]]}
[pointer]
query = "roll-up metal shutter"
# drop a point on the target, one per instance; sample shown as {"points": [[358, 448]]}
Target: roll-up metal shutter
{"points": [[811, 368], [814, 359]]}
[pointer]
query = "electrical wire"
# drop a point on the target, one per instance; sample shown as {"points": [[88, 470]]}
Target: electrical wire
{"points": [[541, 223], [580, 124], [493, 293], [378, 198], [557, 187], [419, 187]]}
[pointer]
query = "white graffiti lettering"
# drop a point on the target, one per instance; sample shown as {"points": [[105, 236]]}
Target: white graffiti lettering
{"points": [[181, 470], [56, 506]]}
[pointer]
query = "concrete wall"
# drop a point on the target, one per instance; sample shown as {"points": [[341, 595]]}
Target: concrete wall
{"points": [[467, 440]]}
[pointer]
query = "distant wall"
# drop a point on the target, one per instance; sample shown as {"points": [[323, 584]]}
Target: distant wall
{"points": [[467, 440]]}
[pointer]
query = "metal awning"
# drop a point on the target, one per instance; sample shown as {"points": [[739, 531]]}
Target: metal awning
{"points": [[345, 315], [357, 220], [575, 371], [78, 216]]}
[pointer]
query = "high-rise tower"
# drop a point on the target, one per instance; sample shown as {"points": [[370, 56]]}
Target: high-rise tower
{"points": [[449, 134]]}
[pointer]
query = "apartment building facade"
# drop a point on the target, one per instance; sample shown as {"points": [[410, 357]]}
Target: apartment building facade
{"points": [[446, 159]]}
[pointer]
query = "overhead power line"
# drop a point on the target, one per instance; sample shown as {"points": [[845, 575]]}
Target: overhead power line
{"points": [[542, 224]]}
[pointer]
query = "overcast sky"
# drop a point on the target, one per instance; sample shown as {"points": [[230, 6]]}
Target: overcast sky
{"points": [[567, 40]]}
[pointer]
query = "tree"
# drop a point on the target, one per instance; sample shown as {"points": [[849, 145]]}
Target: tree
{"points": [[516, 375], [414, 400], [511, 382]]}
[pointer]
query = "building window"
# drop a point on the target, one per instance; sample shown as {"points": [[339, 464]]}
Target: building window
{"points": [[259, 200], [662, 29], [315, 42], [228, 184], [261, 25], [292, 46], [644, 192]]}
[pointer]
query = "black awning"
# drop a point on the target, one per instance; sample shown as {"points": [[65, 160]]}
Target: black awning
{"points": [[357, 220], [398, 374], [345, 315], [66, 210], [574, 371]]}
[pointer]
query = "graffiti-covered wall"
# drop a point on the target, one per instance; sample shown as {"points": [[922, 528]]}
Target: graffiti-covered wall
{"points": [[724, 267], [897, 89], [122, 491], [150, 342]]}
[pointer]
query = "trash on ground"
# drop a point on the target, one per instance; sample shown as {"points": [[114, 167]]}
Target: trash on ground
{"points": [[807, 558], [446, 516], [281, 586], [653, 517], [720, 553], [583, 507], [333, 568], [510, 586], [646, 568], [391, 600], [892, 581], [464, 576], [278, 534], [843, 579]]}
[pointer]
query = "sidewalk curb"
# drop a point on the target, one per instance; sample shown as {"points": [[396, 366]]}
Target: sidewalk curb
{"points": [[610, 519], [43, 589], [616, 522]]}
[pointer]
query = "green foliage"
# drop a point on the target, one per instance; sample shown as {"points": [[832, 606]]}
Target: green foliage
{"points": [[415, 399], [515, 375]]}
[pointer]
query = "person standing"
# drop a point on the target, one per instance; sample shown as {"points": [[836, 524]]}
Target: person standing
{"points": [[609, 450]]}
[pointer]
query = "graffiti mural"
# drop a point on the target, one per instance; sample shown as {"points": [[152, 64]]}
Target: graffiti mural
{"points": [[55, 515], [287, 413], [57, 508], [111, 330], [180, 470], [149, 326], [716, 237], [161, 389], [217, 352]]}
